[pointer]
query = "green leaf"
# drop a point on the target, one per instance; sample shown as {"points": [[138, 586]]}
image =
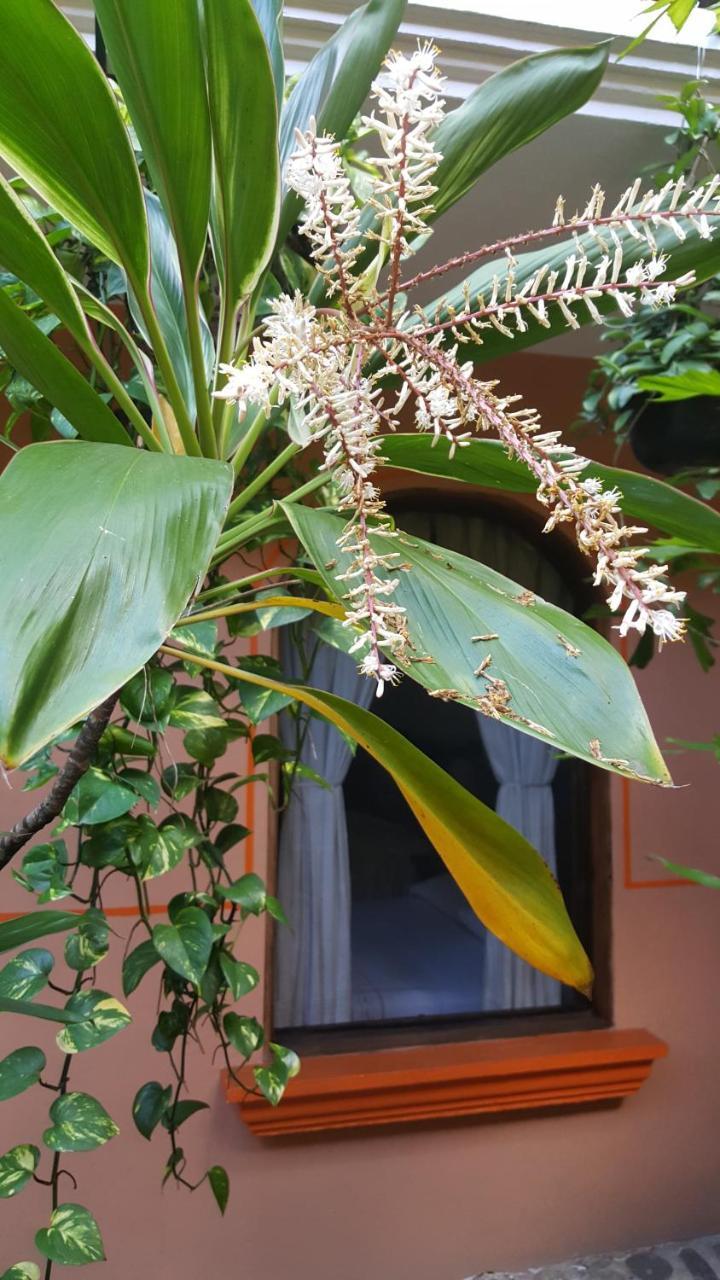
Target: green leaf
{"points": [[135, 965], [73, 1237], [270, 14], [27, 974], [155, 52], [241, 978], [336, 83], [485, 464], [219, 1185], [245, 1034], [96, 574], [243, 115], [156, 850], [98, 798], [22, 1271], [169, 301], [79, 1123], [19, 1071], [508, 110], [143, 784], [25, 252], [17, 1167], [36, 924], [109, 844], [248, 892], [568, 685], [39, 360], [195, 709], [31, 1009], [704, 878], [682, 386], [100, 1017], [259, 704], [151, 1103], [273, 1080], [60, 128], [148, 697], [504, 879], [89, 945], [694, 254], [186, 945], [43, 871], [206, 745], [182, 1111]]}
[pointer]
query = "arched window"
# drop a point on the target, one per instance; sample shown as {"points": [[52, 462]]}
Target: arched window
{"points": [[380, 936]]}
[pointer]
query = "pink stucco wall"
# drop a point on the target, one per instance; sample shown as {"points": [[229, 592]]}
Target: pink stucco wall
{"points": [[439, 1202]]}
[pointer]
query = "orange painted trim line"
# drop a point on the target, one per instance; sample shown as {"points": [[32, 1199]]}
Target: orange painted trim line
{"points": [[432, 1082]]}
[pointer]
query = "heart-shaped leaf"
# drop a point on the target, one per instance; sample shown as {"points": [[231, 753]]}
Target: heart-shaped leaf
{"points": [[185, 946], [22, 1271], [79, 1123], [73, 1237], [241, 978], [94, 576], [100, 1017], [20, 1070], [43, 871], [245, 1034], [151, 1103], [568, 686], [27, 974], [137, 964], [89, 945], [17, 1167], [98, 798]]}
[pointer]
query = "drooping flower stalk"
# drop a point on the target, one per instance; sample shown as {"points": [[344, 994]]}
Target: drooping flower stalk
{"points": [[340, 365]]}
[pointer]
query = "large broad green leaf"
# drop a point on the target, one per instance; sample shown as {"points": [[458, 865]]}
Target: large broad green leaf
{"points": [[100, 550], [155, 51], [504, 879], [61, 129], [79, 1123], [269, 14], [17, 1167], [510, 109], [37, 358], [36, 924], [73, 1237], [568, 685], [166, 291], [693, 254], [485, 464], [20, 1070], [335, 85], [244, 119], [25, 252]]}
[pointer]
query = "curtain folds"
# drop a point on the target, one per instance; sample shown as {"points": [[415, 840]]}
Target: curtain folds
{"points": [[312, 958]]}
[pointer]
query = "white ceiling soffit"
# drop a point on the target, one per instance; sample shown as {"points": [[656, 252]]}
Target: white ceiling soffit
{"points": [[475, 44]]}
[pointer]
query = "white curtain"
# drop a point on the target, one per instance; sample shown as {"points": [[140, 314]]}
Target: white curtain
{"points": [[312, 960], [523, 766]]}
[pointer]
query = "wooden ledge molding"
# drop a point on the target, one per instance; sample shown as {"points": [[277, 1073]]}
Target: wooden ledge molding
{"points": [[430, 1082]]}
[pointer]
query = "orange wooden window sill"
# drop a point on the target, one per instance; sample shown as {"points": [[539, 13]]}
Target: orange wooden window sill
{"points": [[403, 1086]]}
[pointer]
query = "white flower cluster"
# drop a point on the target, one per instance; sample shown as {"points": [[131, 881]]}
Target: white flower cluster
{"points": [[340, 365]]}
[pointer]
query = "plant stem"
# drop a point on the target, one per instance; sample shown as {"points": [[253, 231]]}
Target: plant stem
{"points": [[250, 606], [234, 538], [162, 355], [77, 764], [234, 588], [249, 440], [128, 406], [264, 478], [197, 361]]}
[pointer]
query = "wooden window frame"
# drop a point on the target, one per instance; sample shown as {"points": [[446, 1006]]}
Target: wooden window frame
{"points": [[359, 1077]]}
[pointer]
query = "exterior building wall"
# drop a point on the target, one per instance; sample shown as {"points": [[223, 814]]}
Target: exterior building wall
{"points": [[444, 1201]]}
